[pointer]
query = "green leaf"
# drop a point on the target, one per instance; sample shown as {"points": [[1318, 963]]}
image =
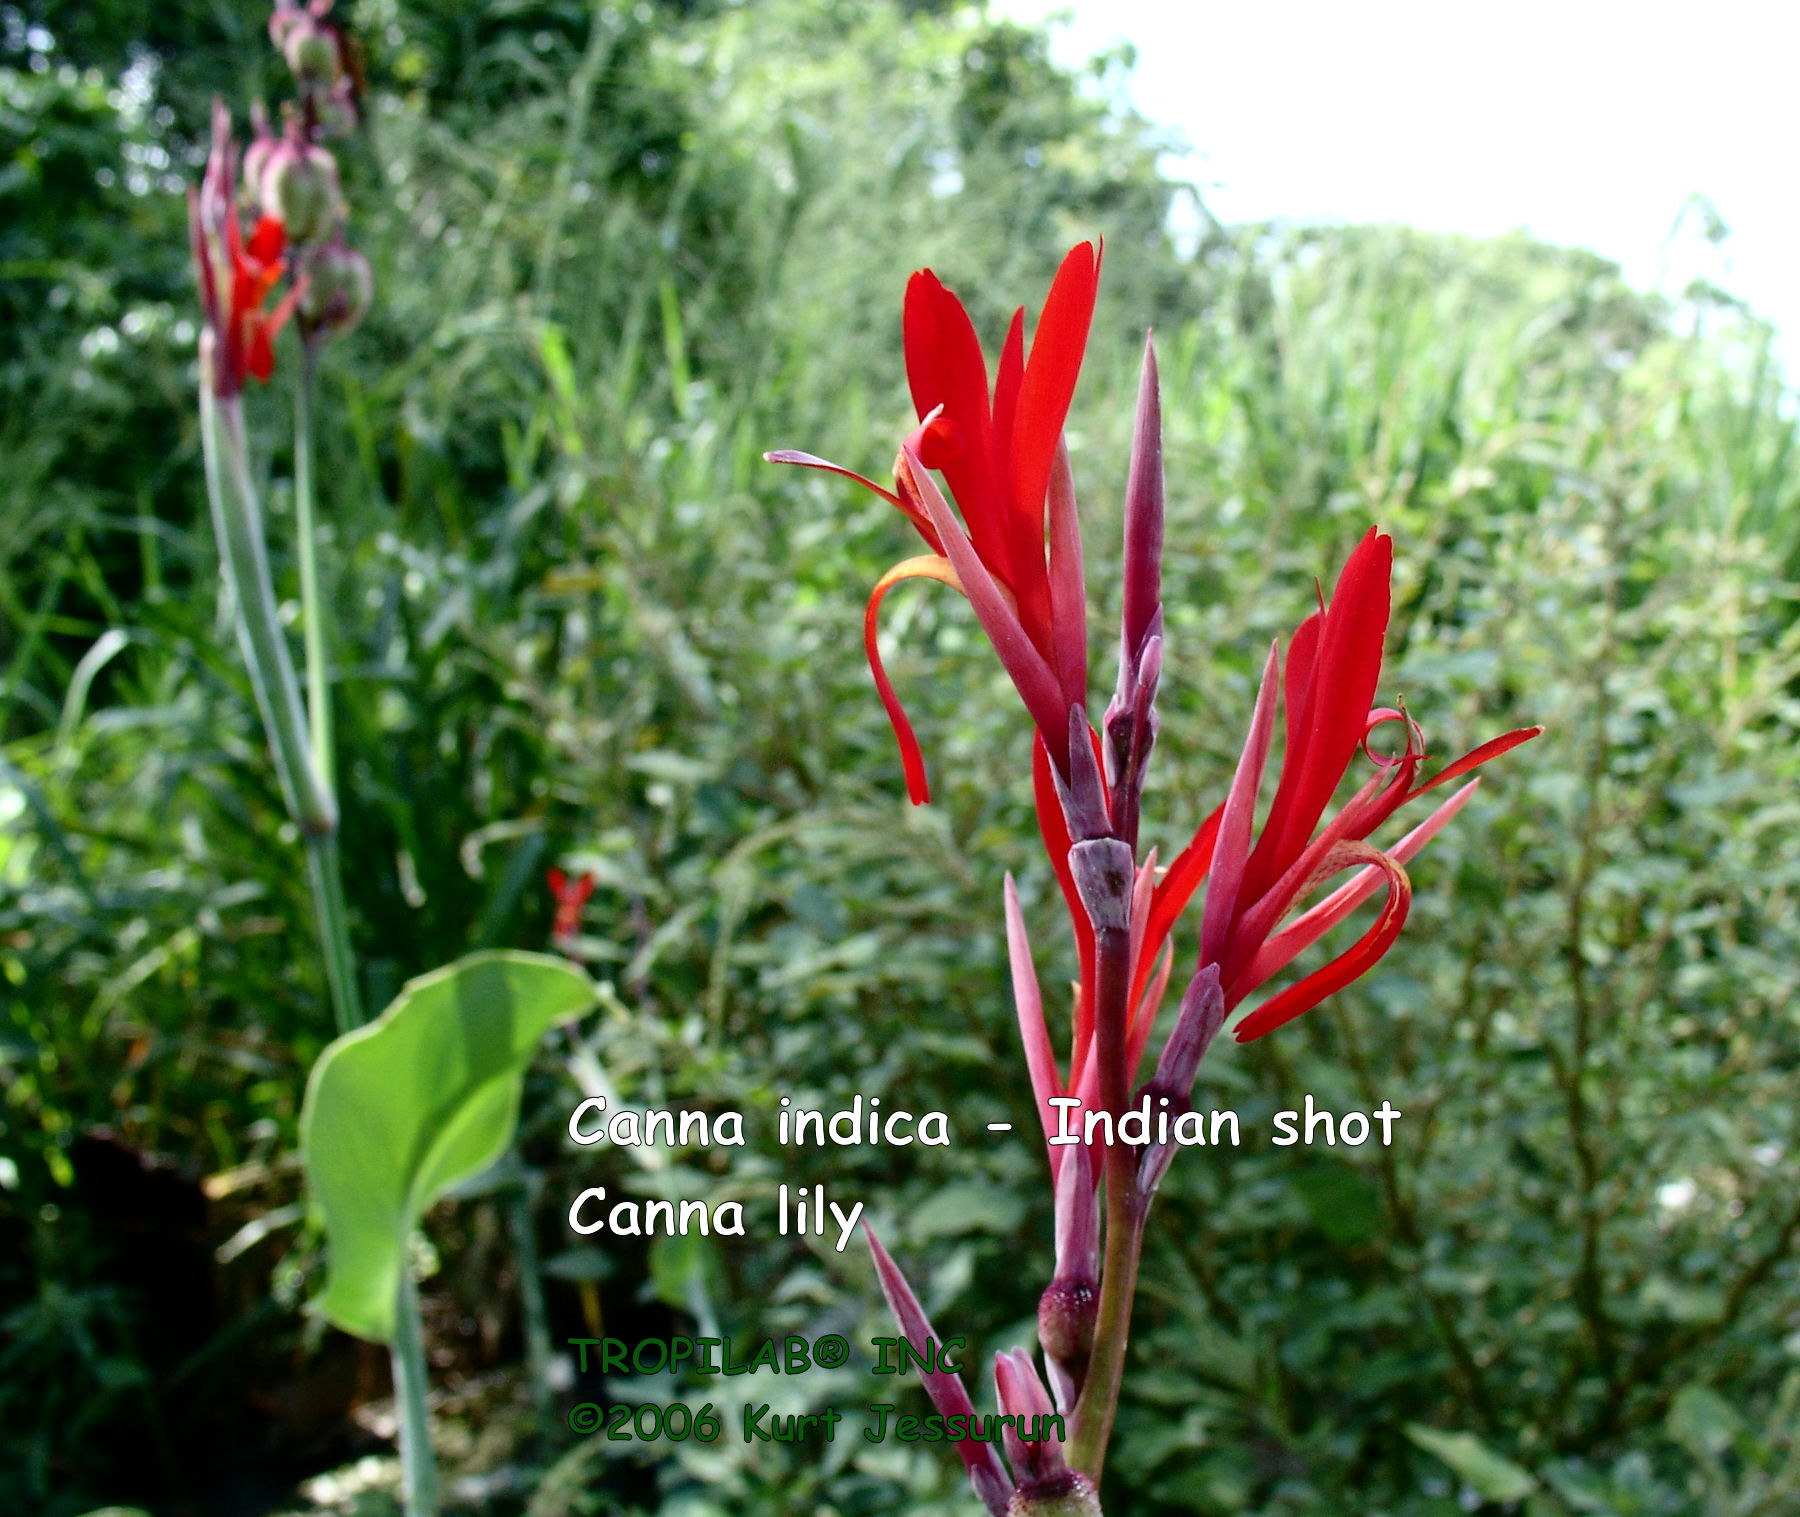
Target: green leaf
{"points": [[424, 1096], [1703, 1421], [1493, 1477]]}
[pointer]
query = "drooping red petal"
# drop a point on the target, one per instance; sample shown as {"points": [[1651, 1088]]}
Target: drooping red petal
{"points": [[1341, 689], [1028, 1002], [813, 461], [925, 566], [1025, 665], [1348, 966]]}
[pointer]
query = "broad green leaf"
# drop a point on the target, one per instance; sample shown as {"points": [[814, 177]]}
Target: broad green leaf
{"points": [[1493, 1477], [424, 1096]]}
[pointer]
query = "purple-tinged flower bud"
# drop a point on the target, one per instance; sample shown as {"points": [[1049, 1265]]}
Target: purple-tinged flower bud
{"points": [[1067, 1312], [1201, 1016], [1034, 1447], [339, 287], [1083, 793], [1104, 874], [299, 187], [1070, 1306], [311, 45]]}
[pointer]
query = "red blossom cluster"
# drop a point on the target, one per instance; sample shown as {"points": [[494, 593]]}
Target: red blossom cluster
{"points": [[1012, 546]]}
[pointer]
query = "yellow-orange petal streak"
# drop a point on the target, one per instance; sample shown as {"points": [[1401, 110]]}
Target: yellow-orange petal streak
{"points": [[925, 566]]}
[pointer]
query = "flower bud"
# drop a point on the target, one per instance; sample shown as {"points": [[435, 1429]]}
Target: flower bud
{"points": [[1067, 1312], [299, 186], [311, 46], [1070, 1494], [339, 286], [263, 142]]}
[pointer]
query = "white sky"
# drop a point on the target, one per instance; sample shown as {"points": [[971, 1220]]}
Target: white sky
{"points": [[1588, 122]]}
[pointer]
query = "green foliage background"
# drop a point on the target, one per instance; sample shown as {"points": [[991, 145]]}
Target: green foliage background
{"points": [[619, 252]]}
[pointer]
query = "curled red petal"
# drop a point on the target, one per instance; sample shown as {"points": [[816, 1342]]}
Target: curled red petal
{"points": [[925, 566], [1348, 966], [1311, 925]]}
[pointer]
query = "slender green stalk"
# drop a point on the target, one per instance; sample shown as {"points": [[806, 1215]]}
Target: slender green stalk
{"points": [[532, 1306], [327, 880], [418, 1465], [312, 603], [1124, 1217], [237, 521]]}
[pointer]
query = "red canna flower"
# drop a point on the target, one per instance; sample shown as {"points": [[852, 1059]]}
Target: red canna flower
{"points": [[1327, 688], [236, 277], [571, 896], [1004, 461]]}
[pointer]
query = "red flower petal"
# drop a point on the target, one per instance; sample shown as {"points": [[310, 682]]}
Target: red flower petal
{"points": [[926, 566], [1334, 715], [1476, 757], [1347, 966], [944, 367]]}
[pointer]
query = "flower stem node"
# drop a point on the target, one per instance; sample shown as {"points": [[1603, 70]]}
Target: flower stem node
{"points": [[1068, 1495], [1104, 873]]}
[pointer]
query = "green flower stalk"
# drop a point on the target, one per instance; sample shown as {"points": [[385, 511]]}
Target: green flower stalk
{"points": [[236, 279]]}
